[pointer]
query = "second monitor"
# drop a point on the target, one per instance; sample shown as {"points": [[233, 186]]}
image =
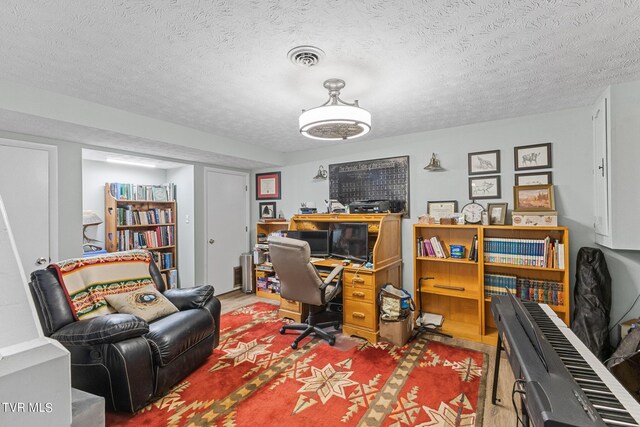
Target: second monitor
{"points": [[318, 240]]}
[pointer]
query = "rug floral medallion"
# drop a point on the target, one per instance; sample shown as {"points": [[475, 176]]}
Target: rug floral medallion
{"points": [[254, 377]]}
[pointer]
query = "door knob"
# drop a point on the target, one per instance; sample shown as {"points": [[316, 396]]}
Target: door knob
{"points": [[41, 261], [211, 241]]}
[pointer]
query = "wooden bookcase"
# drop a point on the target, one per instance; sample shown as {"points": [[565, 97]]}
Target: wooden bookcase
{"points": [[263, 229], [117, 227], [456, 287], [453, 287], [528, 272]]}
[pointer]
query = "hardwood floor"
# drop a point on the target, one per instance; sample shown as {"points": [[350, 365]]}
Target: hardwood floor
{"points": [[498, 415]]}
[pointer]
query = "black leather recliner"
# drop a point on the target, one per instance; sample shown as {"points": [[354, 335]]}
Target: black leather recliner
{"points": [[123, 358]]}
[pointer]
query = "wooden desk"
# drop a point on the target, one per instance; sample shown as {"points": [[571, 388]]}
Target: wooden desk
{"points": [[360, 286]]}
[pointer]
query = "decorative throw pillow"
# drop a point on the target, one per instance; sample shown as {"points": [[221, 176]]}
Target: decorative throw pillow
{"points": [[146, 303]]}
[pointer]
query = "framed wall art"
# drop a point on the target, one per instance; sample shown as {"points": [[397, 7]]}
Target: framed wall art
{"points": [[536, 156], [533, 198], [484, 187], [533, 178], [268, 186], [439, 210], [484, 162], [267, 210], [497, 213]]}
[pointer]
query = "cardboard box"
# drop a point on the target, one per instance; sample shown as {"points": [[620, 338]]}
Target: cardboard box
{"points": [[397, 333], [626, 326], [535, 219]]}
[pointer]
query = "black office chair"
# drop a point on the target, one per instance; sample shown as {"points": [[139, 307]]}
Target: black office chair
{"points": [[300, 281]]}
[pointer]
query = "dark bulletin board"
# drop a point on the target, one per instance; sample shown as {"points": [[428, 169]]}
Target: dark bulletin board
{"points": [[380, 179]]}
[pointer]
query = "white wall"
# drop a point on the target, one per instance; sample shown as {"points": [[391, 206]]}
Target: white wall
{"points": [[570, 133], [183, 178]]}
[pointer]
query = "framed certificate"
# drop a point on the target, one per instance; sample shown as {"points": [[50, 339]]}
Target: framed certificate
{"points": [[268, 186], [441, 209]]}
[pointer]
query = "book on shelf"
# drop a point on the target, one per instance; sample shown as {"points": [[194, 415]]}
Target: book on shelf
{"points": [[543, 253], [473, 249], [159, 193]]}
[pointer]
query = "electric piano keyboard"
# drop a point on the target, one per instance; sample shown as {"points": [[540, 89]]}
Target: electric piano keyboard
{"points": [[564, 384]]}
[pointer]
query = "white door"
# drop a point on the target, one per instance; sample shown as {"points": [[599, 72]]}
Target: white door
{"points": [[227, 225], [601, 168], [26, 185]]}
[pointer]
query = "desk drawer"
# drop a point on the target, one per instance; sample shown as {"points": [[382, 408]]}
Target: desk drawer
{"points": [[358, 293], [363, 280], [289, 305], [360, 314]]}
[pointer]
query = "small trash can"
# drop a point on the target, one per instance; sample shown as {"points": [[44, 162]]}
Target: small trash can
{"points": [[246, 262]]}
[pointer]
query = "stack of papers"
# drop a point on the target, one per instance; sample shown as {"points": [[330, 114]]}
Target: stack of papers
{"points": [[431, 320]]}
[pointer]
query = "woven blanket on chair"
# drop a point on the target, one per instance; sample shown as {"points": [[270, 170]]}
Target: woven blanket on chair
{"points": [[87, 280]]}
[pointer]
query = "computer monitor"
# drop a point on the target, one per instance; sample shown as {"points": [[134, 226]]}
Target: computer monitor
{"points": [[318, 240], [349, 240]]}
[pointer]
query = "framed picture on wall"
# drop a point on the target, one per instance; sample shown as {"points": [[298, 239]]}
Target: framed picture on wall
{"points": [[536, 156], [533, 178], [533, 198], [267, 210], [484, 162], [484, 187], [268, 186]]}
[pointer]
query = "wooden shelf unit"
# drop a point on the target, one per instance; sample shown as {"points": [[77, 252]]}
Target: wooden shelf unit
{"points": [[267, 228], [112, 227], [457, 288]]}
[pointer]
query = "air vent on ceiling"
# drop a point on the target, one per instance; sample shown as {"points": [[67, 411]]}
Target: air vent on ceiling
{"points": [[305, 56]]}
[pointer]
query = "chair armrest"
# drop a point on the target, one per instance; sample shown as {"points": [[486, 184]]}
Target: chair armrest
{"points": [[332, 276], [189, 298], [106, 329]]}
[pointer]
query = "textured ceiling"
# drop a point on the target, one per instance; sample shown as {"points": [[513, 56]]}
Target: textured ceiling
{"points": [[222, 67]]}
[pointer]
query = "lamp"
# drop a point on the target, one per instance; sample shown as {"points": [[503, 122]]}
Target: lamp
{"points": [[321, 175], [434, 164], [89, 218], [335, 119]]}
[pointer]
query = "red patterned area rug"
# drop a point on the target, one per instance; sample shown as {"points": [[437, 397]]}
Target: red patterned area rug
{"points": [[254, 378]]}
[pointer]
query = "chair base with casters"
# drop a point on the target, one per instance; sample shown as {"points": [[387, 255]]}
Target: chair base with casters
{"points": [[311, 327]]}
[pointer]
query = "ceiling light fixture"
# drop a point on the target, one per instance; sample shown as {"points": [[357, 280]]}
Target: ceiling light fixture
{"points": [[125, 162], [335, 119]]}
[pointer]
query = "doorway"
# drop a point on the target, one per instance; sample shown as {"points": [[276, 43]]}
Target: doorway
{"points": [[227, 225], [28, 187]]}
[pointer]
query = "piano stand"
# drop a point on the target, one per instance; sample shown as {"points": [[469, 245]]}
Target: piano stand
{"points": [[496, 371], [423, 328]]}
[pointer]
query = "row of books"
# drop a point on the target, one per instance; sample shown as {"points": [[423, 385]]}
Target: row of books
{"points": [[170, 277], [499, 284], [268, 284], [541, 291], [431, 247], [530, 252], [128, 216], [159, 193], [161, 236]]}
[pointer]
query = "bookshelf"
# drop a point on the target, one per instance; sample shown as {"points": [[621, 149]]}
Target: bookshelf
{"points": [[266, 283], [460, 288], [133, 222], [539, 277]]}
